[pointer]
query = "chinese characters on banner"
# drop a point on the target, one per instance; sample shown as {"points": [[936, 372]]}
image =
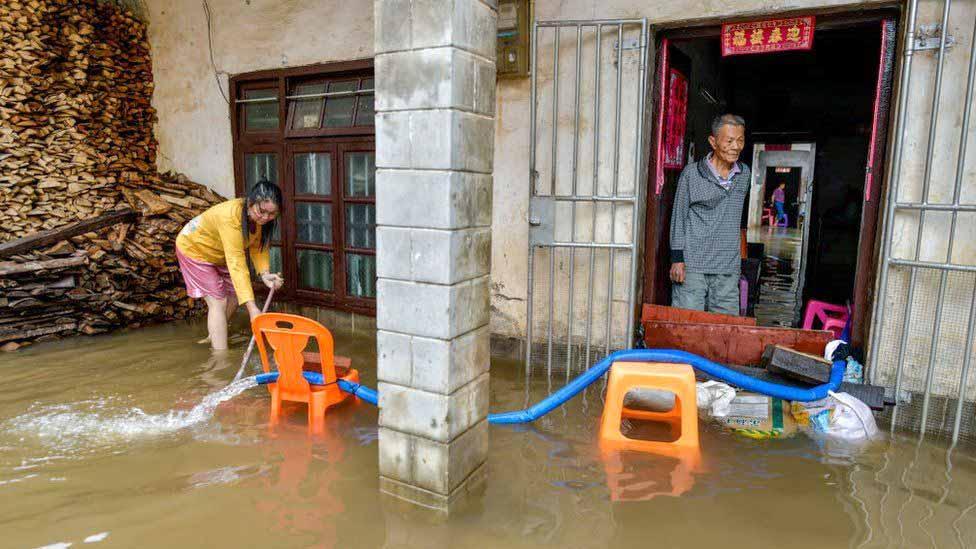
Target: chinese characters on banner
{"points": [[676, 121], [768, 36]]}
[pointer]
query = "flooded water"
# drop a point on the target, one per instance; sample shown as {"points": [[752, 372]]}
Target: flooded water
{"points": [[779, 277], [121, 441]]}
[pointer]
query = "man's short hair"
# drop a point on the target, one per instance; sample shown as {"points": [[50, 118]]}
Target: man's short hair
{"points": [[727, 119]]}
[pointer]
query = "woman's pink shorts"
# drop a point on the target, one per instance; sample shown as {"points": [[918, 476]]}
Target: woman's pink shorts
{"points": [[203, 279]]}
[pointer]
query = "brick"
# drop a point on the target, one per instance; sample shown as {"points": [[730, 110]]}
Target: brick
{"points": [[448, 257], [444, 78], [432, 310], [431, 465], [442, 366], [436, 200], [433, 415], [394, 357], [435, 140]]}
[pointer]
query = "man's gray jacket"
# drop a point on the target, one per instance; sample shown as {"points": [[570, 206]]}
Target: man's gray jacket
{"points": [[706, 220]]}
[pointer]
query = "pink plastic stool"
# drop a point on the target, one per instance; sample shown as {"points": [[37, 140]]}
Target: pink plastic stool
{"points": [[768, 218], [831, 317]]}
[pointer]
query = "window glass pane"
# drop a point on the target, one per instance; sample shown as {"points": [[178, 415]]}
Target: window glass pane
{"points": [[360, 174], [260, 166], [361, 226], [306, 113], [315, 269], [261, 116], [364, 115], [275, 253], [361, 275], [314, 222], [338, 110], [313, 173]]}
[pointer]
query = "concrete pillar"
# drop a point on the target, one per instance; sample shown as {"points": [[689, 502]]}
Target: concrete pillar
{"points": [[435, 105]]}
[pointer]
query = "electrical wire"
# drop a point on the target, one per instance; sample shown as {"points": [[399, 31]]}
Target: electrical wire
{"points": [[220, 87]]}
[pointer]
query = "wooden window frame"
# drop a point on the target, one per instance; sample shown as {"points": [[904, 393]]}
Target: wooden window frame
{"points": [[285, 143]]}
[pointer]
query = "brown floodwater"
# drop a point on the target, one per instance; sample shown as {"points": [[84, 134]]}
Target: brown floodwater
{"points": [[106, 440]]}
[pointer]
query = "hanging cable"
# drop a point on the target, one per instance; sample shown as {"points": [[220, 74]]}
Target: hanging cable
{"points": [[220, 87]]}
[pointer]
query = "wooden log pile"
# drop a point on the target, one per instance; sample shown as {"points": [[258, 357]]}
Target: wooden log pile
{"points": [[76, 143], [121, 275]]}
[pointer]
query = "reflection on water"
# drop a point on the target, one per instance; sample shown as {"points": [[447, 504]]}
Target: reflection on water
{"points": [[779, 277], [230, 480]]}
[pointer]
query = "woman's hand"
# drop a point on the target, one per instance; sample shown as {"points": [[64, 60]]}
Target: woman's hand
{"points": [[272, 280]]}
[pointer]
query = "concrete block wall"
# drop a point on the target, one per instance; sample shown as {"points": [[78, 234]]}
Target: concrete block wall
{"points": [[435, 87]]}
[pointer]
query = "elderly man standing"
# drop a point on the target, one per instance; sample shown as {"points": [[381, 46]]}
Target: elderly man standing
{"points": [[705, 223]]}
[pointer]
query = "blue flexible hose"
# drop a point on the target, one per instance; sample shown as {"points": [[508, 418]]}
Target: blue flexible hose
{"points": [[719, 371], [355, 389], [585, 379]]}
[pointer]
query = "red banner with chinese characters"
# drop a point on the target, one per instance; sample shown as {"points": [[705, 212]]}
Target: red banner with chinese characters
{"points": [[768, 36], [676, 121]]}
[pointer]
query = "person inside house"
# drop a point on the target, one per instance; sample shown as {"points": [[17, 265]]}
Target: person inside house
{"points": [[705, 223], [779, 200], [217, 249]]}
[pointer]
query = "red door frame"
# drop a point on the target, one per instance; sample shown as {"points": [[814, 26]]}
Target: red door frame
{"points": [[654, 282]]}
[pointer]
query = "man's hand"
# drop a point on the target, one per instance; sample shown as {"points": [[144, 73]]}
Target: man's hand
{"points": [[252, 309], [678, 273], [272, 281]]}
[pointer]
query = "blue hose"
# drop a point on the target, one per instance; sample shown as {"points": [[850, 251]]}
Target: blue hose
{"points": [[355, 389], [585, 379], [724, 373]]}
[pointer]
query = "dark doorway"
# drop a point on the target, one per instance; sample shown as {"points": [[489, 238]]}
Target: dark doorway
{"points": [[835, 96]]}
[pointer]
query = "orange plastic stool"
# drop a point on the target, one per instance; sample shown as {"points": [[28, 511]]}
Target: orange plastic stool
{"points": [[288, 335], [676, 378]]}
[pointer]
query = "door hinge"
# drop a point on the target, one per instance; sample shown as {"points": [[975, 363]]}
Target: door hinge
{"points": [[928, 37]]}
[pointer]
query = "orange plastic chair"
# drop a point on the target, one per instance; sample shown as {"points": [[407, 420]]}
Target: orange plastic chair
{"points": [[288, 335], [676, 378]]}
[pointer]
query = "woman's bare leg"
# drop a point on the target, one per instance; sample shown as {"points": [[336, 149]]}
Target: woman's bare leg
{"points": [[217, 322]]}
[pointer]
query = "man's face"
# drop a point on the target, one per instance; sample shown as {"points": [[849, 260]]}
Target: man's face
{"points": [[728, 143]]}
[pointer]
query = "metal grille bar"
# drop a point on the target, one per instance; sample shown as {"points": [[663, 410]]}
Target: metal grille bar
{"points": [[559, 198], [929, 374]]}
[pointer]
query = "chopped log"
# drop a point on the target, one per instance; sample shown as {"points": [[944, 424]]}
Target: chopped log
{"points": [[11, 268], [52, 236], [13, 335], [805, 367], [156, 205]]}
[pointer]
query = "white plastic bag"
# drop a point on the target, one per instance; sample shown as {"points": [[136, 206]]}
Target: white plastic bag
{"points": [[714, 398], [850, 419]]}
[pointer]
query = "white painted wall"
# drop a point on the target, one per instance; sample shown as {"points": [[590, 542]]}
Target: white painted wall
{"points": [[248, 35]]}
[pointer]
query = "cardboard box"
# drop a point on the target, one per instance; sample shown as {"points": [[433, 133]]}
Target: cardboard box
{"points": [[759, 416]]}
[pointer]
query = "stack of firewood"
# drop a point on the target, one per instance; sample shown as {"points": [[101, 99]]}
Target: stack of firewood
{"points": [[75, 111], [87, 225], [115, 270]]}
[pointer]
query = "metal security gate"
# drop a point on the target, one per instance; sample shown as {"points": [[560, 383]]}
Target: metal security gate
{"points": [[587, 108], [923, 319]]}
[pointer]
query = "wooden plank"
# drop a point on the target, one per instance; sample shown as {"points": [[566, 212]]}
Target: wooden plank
{"points": [[53, 236], [673, 314], [11, 267], [731, 344], [806, 367]]}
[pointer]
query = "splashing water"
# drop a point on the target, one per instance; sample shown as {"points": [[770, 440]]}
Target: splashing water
{"points": [[67, 425]]}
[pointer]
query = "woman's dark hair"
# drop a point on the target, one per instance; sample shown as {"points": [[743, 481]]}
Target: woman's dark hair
{"points": [[261, 191]]}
